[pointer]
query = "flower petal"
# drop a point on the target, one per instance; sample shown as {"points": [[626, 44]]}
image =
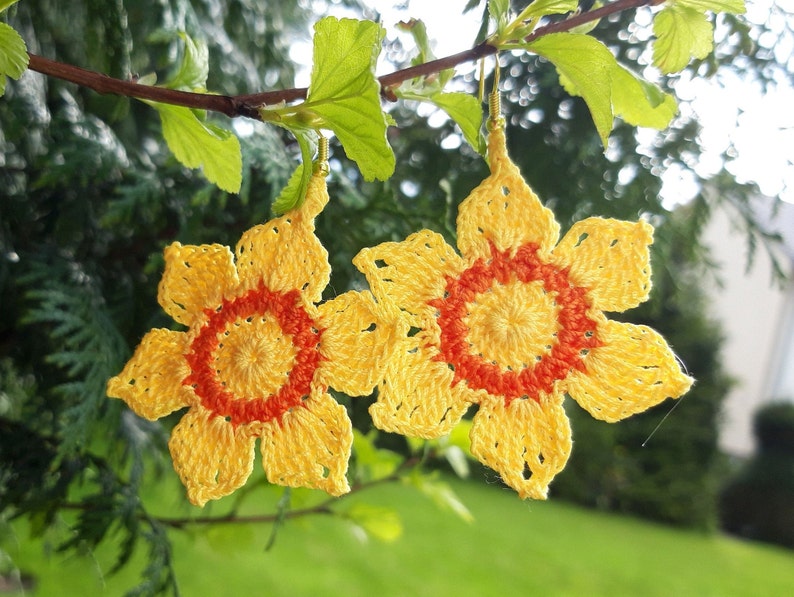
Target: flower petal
{"points": [[410, 273], [611, 259], [310, 447], [503, 210], [417, 397], [527, 443], [151, 381], [633, 371], [195, 278], [357, 341], [211, 456], [285, 254]]}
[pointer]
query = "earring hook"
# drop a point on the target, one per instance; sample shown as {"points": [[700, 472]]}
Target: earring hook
{"points": [[321, 164], [495, 118]]}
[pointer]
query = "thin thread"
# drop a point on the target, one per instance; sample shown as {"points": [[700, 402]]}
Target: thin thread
{"points": [[664, 418]]}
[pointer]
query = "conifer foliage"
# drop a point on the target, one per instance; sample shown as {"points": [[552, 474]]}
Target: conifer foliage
{"points": [[198, 133]]}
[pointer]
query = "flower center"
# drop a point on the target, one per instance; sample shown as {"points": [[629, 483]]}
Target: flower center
{"points": [[513, 326], [255, 357]]}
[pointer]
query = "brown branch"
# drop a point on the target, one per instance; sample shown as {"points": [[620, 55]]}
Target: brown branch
{"points": [[229, 105], [180, 523], [323, 507], [588, 17], [247, 105]]}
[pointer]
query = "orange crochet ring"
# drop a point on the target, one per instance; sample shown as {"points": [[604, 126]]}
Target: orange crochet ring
{"points": [[574, 338], [293, 320]]}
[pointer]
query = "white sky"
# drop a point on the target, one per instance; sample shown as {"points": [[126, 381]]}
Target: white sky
{"points": [[758, 128]]}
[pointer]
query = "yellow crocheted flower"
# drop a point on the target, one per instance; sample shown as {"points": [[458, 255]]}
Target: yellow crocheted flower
{"points": [[257, 359], [514, 322]]}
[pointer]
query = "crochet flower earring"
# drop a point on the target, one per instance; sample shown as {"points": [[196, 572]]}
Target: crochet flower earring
{"points": [[514, 322], [257, 358]]}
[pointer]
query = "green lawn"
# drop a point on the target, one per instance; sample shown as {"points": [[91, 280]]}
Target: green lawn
{"points": [[512, 548]]}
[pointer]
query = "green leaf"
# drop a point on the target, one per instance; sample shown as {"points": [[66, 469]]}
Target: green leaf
{"points": [[499, 11], [588, 69], [194, 142], [540, 8], [345, 94], [416, 444], [282, 508], [294, 193], [4, 4], [148, 79], [456, 448], [418, 31], [731, 6], [457, 460], [380, 522], [590, 25], [512, 35], [194, 68], [639, 102], [436, 81], [681, 33], [373, 463], [441, 494], [463, 108], [13, 55], [198, 144], [459, 436], [584, 65]]}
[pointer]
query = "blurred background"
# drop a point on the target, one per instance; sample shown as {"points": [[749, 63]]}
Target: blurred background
{"points": [[90, 196]]}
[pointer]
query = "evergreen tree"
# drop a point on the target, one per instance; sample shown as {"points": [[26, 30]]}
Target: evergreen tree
{"points": [[90, 195]]}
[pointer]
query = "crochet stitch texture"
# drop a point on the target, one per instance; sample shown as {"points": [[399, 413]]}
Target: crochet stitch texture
{"points": [[513, 323], [257, 359]]}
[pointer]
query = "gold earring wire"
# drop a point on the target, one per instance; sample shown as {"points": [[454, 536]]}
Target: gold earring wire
{"points": [[321, 165], [495, 118]]}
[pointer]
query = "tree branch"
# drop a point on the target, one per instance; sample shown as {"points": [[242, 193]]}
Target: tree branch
{"points": [[181, 523], [225, 104], [247, 105], [323, 507]]}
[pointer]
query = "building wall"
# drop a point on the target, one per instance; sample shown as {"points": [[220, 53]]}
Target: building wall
{"points": [[758, 322], [781, 383]]}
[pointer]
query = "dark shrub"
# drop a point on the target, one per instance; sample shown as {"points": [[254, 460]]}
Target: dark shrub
{"points": [[774, 428], [759, 502]]}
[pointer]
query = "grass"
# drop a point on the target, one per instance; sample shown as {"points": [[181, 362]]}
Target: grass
{"points": [[512, 548]]}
